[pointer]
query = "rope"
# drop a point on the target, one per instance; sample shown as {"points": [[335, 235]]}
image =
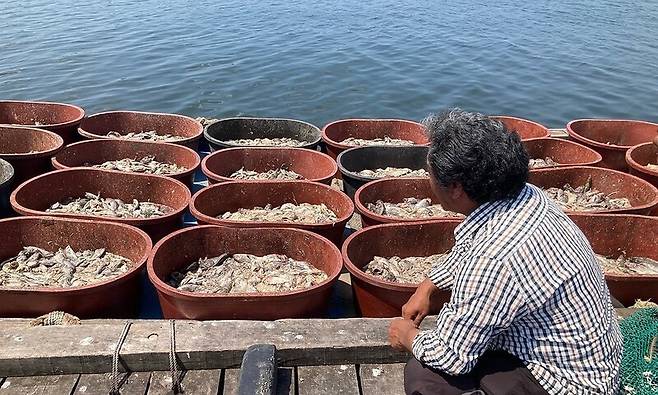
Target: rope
{"points": [[173, 365], [115, 359]]}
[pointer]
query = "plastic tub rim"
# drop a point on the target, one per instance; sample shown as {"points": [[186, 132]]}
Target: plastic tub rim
{"points": [[220, 179], [80, 110], [582, 146], [547, 132], [91, 135], [161, 286], [575, 135], [59, 166], [361, 207], [354, 175], [214, 140], [37, 154], [213, 220], [25, 211], [337, 144], [73, 290], [634, 164], [616, 277], [645, 206]]}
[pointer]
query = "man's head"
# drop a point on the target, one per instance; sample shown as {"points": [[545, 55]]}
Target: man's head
{"points": [[473, 159]]}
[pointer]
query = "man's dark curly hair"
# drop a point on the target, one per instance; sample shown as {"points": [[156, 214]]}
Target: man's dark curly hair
{"points": [[477, 152]]}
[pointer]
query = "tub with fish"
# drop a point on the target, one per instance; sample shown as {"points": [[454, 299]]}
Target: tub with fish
{"points": [[214, 272], [387, 262], [524, 128], [627, 250], [60, 118], [555, 152], [400, 200]]}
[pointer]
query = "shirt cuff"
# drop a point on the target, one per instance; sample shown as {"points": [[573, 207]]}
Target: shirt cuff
{"points": [[418, 345]]}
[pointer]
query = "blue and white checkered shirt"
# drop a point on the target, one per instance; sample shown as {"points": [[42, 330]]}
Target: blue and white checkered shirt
{"points": [[525, 280]]}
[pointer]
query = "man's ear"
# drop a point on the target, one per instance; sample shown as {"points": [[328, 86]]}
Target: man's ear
{"points": [[456, 191]]}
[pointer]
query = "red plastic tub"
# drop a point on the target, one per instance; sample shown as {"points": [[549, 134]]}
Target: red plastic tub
{"points": [[337, 131], [642, 195], [95, 152], [610, 235], [566, 153], [33, 197], [60, 118], [99, 125], [217, 199], [612, 137], [116, 297], [393, 190], [639, 156], [312, 165], [524, 128], [380, 298], [186, 246], [28, 150]]}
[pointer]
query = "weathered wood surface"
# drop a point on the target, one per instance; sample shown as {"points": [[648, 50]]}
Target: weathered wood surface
{"points": [[382, 379], [100, 384], [39, 385], [333, 379], [202, 382], [88, 348], [231, 381]]}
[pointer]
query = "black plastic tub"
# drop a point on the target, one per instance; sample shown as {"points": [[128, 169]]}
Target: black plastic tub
{"points": [[6, 178], [218, 133], [353, 160]]}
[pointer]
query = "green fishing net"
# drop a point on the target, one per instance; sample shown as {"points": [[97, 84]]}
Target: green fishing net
{"points": [[639, 363]]}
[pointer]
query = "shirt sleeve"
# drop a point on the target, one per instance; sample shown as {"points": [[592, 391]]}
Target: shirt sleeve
{"points": [[442, 275], [485, 300]]}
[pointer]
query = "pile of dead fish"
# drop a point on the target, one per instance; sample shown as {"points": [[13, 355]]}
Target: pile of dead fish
{"points": [[92, 204], [36, 267], [147, 165], [411, 208], [585, 198], [393, 172], [411, 270], [274, 174], [150, 135], [652, 167], [246, 273], [303, 213], [267, 142], [633, 266], [542, 163], [351, 141]]}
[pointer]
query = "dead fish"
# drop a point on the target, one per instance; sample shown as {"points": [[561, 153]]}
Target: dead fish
{"points": [[206, 121], [585, 198], [393, 172], [35, 267], [150, 135], [542, 163], [267, 142], [246, 273], [623, 265], [652, 167], [410, 270], [305, 213], [351, 141], [147, 165], [92, 204], [411, 208], [274, 174]]}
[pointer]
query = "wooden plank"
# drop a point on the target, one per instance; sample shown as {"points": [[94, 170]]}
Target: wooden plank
{"points": [[100, 384], [193, 382], [382, 379], [334, 379], [559, 133], [231, 381], [88, 348], [39, 385]]}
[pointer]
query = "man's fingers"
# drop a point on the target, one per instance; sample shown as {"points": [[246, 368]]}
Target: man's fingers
{"points": [[419, 319]]}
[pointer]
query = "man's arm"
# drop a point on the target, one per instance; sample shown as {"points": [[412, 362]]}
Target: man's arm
{"points": [[442, 276], [485, 301]]}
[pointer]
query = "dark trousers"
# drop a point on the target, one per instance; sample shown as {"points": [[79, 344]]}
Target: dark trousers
{"points": [[496, 373]]}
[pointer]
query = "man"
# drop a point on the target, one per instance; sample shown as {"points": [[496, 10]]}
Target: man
{"points": [[530, 312]]}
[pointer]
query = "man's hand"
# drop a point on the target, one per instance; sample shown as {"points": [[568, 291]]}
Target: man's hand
{"points": [[420, 304], [401, 334]]}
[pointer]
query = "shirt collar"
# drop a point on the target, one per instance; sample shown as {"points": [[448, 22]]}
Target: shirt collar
{"points": [[483, 213]]}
